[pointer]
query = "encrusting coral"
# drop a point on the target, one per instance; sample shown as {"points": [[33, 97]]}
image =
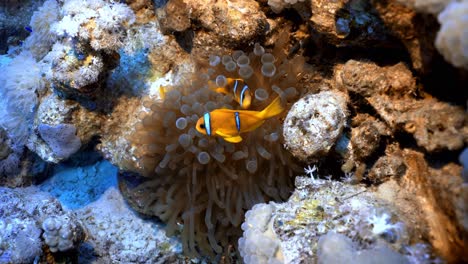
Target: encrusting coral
{"points": [[204, 182]]}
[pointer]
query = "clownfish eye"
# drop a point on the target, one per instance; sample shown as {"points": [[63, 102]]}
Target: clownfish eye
{"points": [[202, 126]]}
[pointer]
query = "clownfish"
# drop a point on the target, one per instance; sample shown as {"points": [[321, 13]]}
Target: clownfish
{"points": [[239, 89], [228, 124]]}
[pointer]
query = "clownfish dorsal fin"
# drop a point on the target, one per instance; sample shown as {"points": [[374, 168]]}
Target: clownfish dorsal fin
{"points": [[221, 134]]}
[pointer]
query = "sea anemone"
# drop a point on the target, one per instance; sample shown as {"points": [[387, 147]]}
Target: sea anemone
{"points": [[203, 185]]}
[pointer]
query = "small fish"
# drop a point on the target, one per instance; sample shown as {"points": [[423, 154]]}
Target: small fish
{"points": [[228, 124], [28, 28], [239, 89]]}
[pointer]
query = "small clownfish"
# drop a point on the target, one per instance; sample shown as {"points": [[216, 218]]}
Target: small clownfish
{"points": [[239, 89], [228, 124]]}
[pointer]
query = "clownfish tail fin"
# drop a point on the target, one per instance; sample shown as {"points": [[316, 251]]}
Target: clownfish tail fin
{"points": [[274, 108]]}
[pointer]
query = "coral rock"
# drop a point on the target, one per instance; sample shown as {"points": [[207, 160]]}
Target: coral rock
{"points": [[348, 23], [119, 235], [22, 211], [452, 41], [435, 125], [435, 199], [390, 165], [314, 123], [260, 244], [415, 32], [175, 16], [321, 207], [365, 138], [367, 78], [63, 233]]}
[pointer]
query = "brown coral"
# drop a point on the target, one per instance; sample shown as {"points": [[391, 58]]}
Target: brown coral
{"points": [[204, 182]]}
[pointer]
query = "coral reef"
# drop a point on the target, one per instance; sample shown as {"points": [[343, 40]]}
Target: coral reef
{"points": [[24, 215], [21, 81], [300, 230], [260, 244], [118, 235], [42, 36], [76, 43], [374, 93], [62, 233], [337, 248], [98, 22], [61, 139]]}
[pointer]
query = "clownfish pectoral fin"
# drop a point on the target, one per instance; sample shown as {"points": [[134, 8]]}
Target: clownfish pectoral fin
{"points": [[229, 138], [235, 139], [221, 134]]}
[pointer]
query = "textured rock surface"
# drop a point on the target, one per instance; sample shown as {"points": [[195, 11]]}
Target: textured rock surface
{"points": [[314, 123], [438, 204], [260, 244], [434, 125], [426, 6], [390, 165], [119, 235], [22, 214], [62, 233], [366, 134], [367, 78], [320, 206], [401, 107], [414, 31]]}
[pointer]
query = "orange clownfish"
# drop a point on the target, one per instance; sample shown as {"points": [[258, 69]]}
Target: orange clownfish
{"points": [[239, 89], [228, 124]]}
